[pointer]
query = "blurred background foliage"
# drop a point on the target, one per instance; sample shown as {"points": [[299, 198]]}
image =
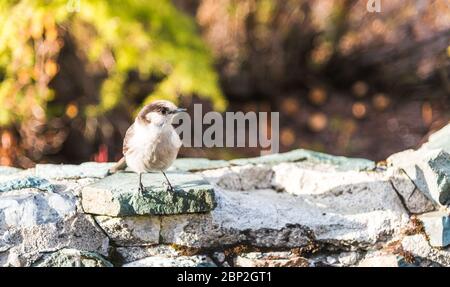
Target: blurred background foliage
{"points": [[74, 73]]}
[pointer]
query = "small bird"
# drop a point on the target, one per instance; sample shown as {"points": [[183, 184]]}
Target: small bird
{"points": [[151, 143]]}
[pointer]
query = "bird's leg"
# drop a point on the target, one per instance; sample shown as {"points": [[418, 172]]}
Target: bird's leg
{"points": [[141, 187], [169, 187]]}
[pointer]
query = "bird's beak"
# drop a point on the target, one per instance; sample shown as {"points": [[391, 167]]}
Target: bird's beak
{"points": [[179, 110]]}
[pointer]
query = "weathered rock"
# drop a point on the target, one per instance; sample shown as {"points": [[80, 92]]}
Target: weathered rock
{"points": [[30, 208], [134, 253], [7, 170], [33, 222], [439, 140], [219, 256], [181, 261], [118, 195], [414, 200], [27, 182], [270, 259], [298, 179], [66, 171], [131, 231], [339, 162], [246, 177], [349, 258], [437, 227], [197, 164], [270, 219], [418, 246], [72, 258], [383, 260], [428, 169]]}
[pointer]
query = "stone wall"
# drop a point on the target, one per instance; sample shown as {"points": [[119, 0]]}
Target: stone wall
{"points": [[300, 208]]}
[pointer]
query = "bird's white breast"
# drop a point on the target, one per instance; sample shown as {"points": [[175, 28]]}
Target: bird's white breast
{"points": [[152, 148]]}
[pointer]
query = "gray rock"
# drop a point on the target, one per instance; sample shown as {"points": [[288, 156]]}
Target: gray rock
{"points": [[349, 258], [118, 195], [131, 231], [437, 227], [414, 200], [440, 165], [181, 261], [270, 219], [382, 260], [7, 170], [248, 177], [428, 169], [197, 164], [72, 258], [134, 253], [270, 259], [66, 171], [33, 222], [27, 182], [339, 162], [219, 256], [418, 246], [439, 140], [30, 208]]}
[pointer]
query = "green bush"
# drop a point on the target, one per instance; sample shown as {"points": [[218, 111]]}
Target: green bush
{"points": [[150, 37]]}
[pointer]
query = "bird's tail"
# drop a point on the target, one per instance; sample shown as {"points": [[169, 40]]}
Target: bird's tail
{"points": [[120, 165]]}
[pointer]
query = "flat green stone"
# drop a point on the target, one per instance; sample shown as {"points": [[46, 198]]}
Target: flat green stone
{"points": [[197, 164], [118, 195], [298, 155]]}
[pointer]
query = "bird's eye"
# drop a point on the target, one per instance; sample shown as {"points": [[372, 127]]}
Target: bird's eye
{"points": [[164, 111]]}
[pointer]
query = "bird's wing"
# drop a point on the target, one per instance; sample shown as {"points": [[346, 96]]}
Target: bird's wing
{"points": [[128, 135]]}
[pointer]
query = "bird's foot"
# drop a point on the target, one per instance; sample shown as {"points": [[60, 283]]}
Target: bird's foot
{"points": [[168, 186], [108, 173], [141, 189]]}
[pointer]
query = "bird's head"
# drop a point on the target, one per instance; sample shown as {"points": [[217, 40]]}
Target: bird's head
{"points": [[159, 113]]}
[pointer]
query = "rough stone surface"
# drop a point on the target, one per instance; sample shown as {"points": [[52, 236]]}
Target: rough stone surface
{"points": [[349, 258], [131, 231], [72, 258], [339, 162], [134, 253], [418, 246], [414, 200], [32, 222], [87, 169], [246, 177], [7, 170], [181, 261], [118, 195], [428, 169], [297, 179], [439, 140], [270, 219], [437, 227], [270, 259], [384, 260], [27, 182], [197, 164], [298, 209]]}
